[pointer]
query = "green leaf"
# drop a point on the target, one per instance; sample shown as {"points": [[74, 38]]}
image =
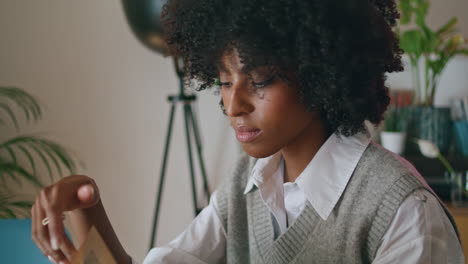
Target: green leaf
{"points": [[22, 204], [62, 154], [44, 160], [9, 212], [52, 150], [12, 167], [50, 153], [4, 174], [34, 143], [411, 42], [10, 113], [27, 102], [448, 27], [29, 157], [14, 160], [430, 40], [10, 151], [10, 208], [405, 12]]}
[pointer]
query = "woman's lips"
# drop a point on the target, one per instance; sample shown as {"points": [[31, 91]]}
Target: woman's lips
{"points": [[247, 134]]}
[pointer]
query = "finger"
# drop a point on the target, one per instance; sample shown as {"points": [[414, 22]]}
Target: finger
{"points": [[38, 237], [58, 239], [58, 257], [43, 238], [51, 259], [34, 232], [86, 194], [67, 248]]}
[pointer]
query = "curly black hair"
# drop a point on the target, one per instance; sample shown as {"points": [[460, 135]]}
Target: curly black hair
{"points": [[338, 50]]}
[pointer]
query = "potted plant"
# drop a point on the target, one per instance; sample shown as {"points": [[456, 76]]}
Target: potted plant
{"points": [[21, 156], [429, 52], [393, 133], [393, 136]]}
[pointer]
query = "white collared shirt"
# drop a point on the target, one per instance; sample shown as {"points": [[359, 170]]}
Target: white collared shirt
{"points": [[419, 233]]}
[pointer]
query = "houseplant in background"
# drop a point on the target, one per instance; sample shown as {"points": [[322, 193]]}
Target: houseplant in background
{"points": [[458, 179], [429, 52], [393, 135], [22, 158], [22, 155]]}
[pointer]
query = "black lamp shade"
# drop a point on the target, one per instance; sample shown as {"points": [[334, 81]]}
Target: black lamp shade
{"points": [[144, 18]]}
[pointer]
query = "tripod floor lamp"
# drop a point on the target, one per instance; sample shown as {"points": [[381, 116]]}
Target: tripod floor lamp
{"points": [[144, 18]]}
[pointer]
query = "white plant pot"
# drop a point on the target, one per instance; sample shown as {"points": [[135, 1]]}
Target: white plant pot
{"points": [[393, 141]]}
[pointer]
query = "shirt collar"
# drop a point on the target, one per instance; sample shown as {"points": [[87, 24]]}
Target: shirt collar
{"points": [[263, 171], [324, 179]]}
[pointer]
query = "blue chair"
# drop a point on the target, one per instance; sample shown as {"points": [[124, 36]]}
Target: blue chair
{"points": [[16, 245]]}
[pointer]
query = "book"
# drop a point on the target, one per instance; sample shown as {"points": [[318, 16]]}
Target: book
{"points": [[93, 251]]}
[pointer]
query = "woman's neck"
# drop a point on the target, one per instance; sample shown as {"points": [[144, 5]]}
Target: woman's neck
{"points": [[298, 153]]}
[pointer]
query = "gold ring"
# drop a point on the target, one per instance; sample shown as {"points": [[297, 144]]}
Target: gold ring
{"points": [[45, 221]]}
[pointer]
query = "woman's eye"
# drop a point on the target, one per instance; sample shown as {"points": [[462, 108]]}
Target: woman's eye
{"points": [[263, 84], [259, 84], [224, 84]]}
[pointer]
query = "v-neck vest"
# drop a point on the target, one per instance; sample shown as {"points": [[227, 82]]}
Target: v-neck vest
{"points": [[350, 234]]}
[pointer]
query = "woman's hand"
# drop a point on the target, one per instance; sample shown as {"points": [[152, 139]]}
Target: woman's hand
{"points": [[74, 192]]}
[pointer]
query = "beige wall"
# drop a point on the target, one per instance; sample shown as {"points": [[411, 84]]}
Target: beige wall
{"points": [[106, 98]]}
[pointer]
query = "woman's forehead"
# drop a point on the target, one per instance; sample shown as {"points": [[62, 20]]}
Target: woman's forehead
{"points": [[230, 61]]}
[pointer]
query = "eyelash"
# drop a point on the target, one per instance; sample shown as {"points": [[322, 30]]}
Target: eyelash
{"points": [[263, 84], [221, 84], [258, 85]]}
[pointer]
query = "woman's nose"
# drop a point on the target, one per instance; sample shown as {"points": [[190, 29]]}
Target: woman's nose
{"points": [[238, 102]]}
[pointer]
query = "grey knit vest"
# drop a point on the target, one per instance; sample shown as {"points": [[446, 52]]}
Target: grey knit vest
{"points": [[351, 233]]}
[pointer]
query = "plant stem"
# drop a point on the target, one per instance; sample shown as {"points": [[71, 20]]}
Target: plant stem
{"points": [[435, 84], [416, 81], [426, 84], [445, 162]]}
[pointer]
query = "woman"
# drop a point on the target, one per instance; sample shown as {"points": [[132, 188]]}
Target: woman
{"points": [[297, 81]]}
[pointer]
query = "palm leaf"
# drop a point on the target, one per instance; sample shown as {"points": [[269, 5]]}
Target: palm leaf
{"points": [[29, 157], [10, 113], [10, 151], [10, 173], [10, 208], [23, 207], [44, 160], [44, 148], [23, 98], [28, 103], [15, 169]]}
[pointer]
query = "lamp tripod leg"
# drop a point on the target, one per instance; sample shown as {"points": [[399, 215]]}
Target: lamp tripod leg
{"points": [[189, 148], [199, 152], [162, 175]]}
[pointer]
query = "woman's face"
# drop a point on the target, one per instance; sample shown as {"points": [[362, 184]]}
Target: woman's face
{"points": [[264, 110]]}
